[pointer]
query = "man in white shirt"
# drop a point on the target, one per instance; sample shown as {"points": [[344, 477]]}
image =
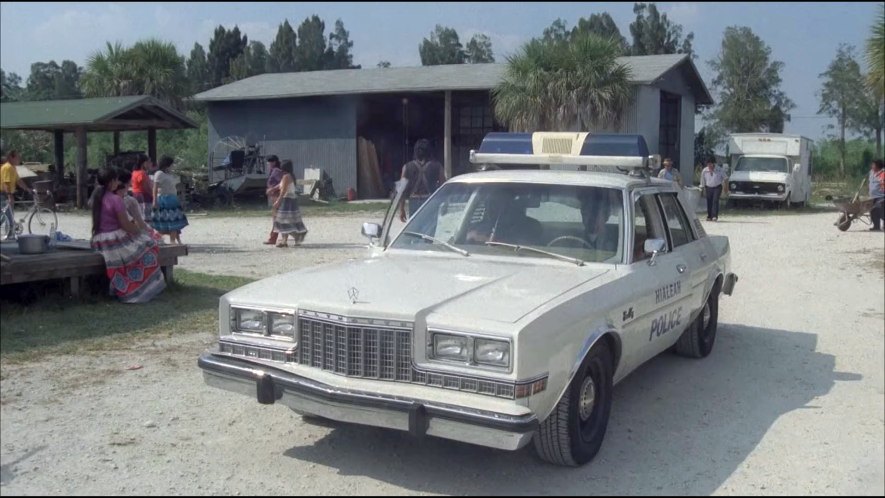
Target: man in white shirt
{"points": [[712, 180]]}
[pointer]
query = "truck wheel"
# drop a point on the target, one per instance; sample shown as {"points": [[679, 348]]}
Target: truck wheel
{"points": [[844, 222], [573, 433], [697, 340]]}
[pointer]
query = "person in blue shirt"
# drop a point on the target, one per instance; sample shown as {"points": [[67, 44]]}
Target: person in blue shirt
{"points": [[668, 173]]}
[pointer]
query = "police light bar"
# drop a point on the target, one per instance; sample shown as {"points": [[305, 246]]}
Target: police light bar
{"points": [[576, 149]]}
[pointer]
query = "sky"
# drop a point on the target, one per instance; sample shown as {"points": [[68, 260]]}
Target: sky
{"points": [[804, 36]]}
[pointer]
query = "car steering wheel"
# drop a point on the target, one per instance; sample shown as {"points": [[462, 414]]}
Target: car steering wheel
{"points": [[570, 237]]}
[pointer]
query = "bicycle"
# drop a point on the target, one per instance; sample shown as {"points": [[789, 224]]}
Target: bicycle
{"points": [[41, 216]]}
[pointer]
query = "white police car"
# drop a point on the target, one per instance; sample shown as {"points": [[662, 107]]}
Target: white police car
{"points": [[502, 313]]}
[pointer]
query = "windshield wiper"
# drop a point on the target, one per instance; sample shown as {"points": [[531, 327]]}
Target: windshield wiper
{"points": [[518, 248], [433, 239]]}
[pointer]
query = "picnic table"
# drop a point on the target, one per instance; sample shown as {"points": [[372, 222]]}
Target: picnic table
{"points": [[68, 260]]}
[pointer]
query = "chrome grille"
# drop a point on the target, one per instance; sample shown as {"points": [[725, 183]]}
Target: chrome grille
{"points": [[356, 350]]}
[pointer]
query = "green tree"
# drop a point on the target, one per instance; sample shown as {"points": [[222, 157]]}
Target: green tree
{"points": [[842, 94], [149, 67], [560, 86], [875, 55], [198, 70], [557, 32], [10, 87], [311, 49], [251, 62], [283, 50], [443, 47], [479, 50], [653, 33], [338, 53], [384, 64], [225, 46], [49, 81], [748, 85], [870, 118], [604, 26]]}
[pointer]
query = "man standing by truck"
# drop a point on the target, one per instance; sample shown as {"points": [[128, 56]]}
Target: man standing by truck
{"points": [[712, 179], [877, 192]]}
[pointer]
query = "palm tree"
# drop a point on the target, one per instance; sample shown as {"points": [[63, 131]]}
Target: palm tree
{"points": [[557, 86], [876, 55], [150, 67], [108, 74]]}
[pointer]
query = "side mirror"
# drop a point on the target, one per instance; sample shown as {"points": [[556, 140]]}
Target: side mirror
{"points": [[653, 247], [797, 167], [371, 231]]}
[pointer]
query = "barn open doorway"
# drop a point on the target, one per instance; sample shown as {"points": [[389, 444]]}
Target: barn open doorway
{"points": [[393, 123]]}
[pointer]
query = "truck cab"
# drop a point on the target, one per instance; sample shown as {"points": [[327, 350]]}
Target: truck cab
{"points": [[769, 167]]}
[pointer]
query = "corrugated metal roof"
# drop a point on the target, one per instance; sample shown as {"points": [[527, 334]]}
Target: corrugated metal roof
{"points": [[93, 113], [645, 69]]}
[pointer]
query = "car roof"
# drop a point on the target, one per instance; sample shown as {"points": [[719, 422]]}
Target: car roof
{"points": [[584, 178]]}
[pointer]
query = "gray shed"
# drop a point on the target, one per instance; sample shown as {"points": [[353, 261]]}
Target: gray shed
{"points": [[315, 118]]}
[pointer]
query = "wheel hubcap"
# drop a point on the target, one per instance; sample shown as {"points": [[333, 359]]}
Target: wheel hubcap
{"points": [[588, 398]]}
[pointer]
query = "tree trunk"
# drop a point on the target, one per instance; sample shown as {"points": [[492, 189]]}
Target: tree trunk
{"points": [[842, 143], [879, 143]]}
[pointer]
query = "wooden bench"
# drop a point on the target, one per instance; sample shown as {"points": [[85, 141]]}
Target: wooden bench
{"points": [[69, 260]]}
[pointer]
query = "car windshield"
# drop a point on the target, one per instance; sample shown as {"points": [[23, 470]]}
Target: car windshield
{"points": [[581, 223], [776, 164]]}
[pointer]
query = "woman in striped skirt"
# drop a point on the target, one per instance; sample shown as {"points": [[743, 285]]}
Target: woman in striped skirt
{"points": [[287, 215], [132, 257]]}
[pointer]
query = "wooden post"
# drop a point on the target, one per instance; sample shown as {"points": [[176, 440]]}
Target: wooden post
{"points": [[116, 142], [152, 144], [81, 167], [59, 136], [447, 138]]}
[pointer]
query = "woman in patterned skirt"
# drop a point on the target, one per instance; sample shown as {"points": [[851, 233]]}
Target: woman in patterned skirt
{"points": [[132, 257], [287, 215], [167, 216]]}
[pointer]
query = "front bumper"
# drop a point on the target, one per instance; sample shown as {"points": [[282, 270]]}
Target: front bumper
{"points": [[269, 385], [729, 283], [759, 197]]}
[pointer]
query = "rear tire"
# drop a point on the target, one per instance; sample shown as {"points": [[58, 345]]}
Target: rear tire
{"points": [[698, 339], [573, 432]]}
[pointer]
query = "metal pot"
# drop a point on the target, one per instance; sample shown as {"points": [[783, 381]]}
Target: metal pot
{"points": [[33, 244]]}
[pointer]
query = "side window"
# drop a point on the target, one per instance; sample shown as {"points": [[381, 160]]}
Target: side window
{"points": [[677, 222], [647, 224]]}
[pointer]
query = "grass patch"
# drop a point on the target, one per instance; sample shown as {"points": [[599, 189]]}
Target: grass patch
{"points": [[54, 324]]}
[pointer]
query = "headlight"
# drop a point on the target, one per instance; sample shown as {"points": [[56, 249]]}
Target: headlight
{"points": [[732, 186], [282, 324], [250, 321], [488, 352], [780, 188], [450, 347]]}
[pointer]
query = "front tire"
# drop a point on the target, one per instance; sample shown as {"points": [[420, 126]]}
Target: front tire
{"points": [[844, 222], [42, 221], [573, 433], [698, 339]]}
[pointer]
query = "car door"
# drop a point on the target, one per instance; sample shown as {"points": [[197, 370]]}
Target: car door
{"points": [[694, 262], [651, 322]]}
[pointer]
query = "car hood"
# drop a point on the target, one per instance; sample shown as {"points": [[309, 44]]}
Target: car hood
{"points": [[759, 176], [405, 287]]}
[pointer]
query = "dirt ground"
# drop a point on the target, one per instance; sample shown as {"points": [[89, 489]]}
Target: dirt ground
{"points": [[792, 400]]}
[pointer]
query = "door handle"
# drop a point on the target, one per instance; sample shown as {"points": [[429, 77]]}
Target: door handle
{"points": [[703, 256], [680, 268]]}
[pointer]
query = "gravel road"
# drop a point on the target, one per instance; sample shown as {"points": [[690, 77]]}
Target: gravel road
{"points": [[790, 402]]}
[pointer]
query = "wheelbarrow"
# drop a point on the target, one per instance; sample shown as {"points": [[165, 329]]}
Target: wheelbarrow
{"points": [[853, 210]]}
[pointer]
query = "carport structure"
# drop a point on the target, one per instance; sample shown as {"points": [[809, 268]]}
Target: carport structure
{"points": [[81, 116]]}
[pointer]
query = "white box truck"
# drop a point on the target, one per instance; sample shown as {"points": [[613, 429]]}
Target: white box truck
{"points": [[770, 167]]}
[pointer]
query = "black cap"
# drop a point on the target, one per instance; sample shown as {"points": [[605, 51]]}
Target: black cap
{"points": [[273, 159]]}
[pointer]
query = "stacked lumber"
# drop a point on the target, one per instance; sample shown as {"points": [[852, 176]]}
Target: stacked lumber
{"points": [[368, 171]]}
